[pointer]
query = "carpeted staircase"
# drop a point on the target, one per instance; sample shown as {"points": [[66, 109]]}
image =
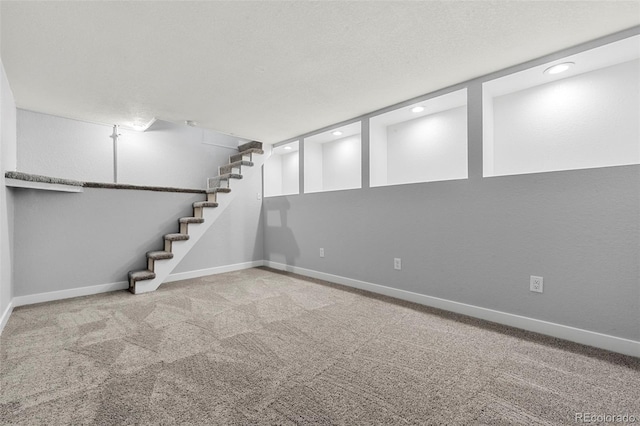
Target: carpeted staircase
{"points": [[160, 263]]}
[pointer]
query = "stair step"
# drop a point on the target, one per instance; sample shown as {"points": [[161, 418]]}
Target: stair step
{"points": [[198, 204], [216, 181], [149, 279], [191, 220], [250, 145], [176, 237], [227, 168], [141, 276], [135, 276], [217, 189], [239, 156], [227, 176], [157, 255]]}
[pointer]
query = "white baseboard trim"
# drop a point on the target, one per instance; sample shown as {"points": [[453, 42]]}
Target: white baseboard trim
{"points": [[585, 337], [213, 271], [122, 285], [5, 315], [67, 294]]}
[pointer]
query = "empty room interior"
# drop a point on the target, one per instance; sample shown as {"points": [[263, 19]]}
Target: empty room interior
{"points": [[292, 212]]}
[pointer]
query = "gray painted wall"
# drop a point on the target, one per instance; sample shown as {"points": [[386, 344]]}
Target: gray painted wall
{"points": [[89, 238], [96, 237], [7, 162], [478, 240]]}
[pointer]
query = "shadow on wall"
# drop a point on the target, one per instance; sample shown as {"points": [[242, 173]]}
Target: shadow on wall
{"points": [[258, 245], [278, 231]]}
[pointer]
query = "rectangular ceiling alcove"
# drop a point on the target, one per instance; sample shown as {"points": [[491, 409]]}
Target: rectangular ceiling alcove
{"points": [[581, 111], [281, 171], [422, 142], [332, 159]]}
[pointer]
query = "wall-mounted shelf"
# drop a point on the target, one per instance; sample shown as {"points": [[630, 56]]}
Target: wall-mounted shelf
{"points": [[17, 183], [45, 183]]}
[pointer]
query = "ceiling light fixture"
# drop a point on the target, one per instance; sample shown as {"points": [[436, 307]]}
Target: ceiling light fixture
{"points": [[287, 147], [557, 69], [417, 109], [337, 133], [141, 126]]}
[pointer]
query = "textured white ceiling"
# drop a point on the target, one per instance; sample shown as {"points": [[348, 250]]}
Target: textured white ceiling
{"points": [[271, 70]]}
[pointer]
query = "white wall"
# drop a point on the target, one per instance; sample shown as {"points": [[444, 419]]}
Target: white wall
{"points": [[590, 120], [173, 155], [273, 176], [334, 165], [290, 176], [487, 135], [422, 142], [342, 164], [281, 174], [429, 148], [7, 162], [377, 154], [165, 155], [64, 148], [313, 167]]}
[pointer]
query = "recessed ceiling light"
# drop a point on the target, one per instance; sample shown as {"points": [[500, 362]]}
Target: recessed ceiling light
{"points": [[287, 147], [142, 126], [337, 133], [417, 109], [557, 69]]}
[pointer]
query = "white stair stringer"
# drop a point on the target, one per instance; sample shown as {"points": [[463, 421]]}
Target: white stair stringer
{"points": [[164, 267]]}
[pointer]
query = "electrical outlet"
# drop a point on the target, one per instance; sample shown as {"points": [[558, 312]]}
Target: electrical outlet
{"points": [[259, 195], [397, 263], [321, 252], [536, 284]]}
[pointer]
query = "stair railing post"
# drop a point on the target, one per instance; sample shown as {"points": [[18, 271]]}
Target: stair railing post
{"points": [[115, 136]]}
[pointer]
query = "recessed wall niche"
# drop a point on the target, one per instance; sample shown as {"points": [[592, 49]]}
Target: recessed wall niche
{"points": [[281, 171], [585, 114], [423, 142], [332, 159]]}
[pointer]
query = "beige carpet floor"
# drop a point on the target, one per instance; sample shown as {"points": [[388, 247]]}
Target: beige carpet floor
{"points": [[261, 347]]}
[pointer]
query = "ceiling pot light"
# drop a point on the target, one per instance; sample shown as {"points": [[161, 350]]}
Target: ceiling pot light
{"points": [[337, 133], [140, 125], [417, 109], [558, 68], [287, 147]]}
